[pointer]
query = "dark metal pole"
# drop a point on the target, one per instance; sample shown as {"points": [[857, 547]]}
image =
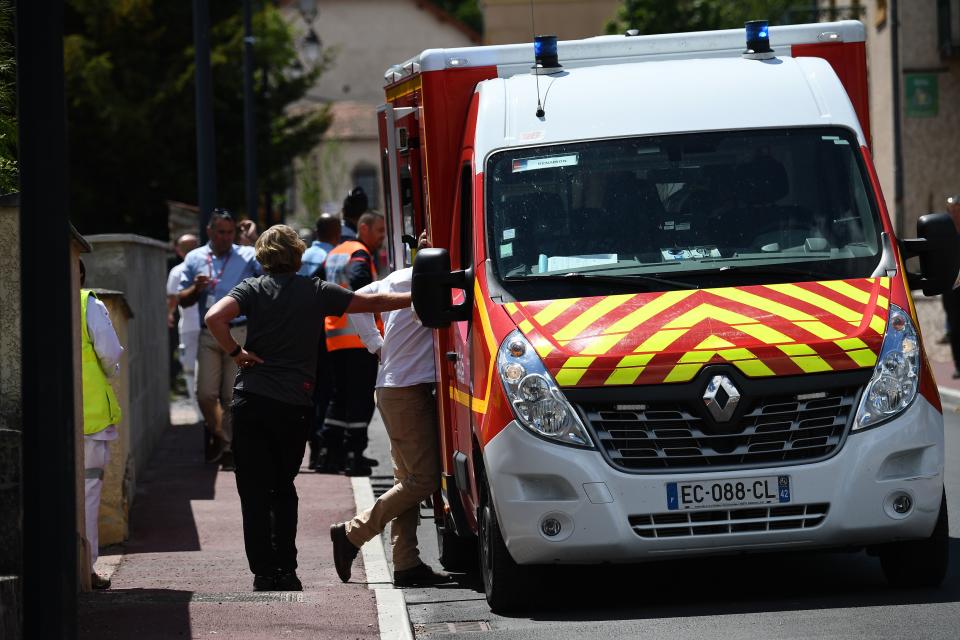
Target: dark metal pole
{"points": [[899, 223], [50, 542], [249, 130], [206, 158]]}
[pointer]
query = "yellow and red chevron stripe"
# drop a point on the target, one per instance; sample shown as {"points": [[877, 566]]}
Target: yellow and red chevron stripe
{"points": [[764, 330]]}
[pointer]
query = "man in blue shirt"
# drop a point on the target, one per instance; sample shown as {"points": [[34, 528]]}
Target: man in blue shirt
{"points": [[328, 236], [210, 272]]}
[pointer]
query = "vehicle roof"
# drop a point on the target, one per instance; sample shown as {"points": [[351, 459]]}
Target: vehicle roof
{"points": [[511, 59], [661, 97]]}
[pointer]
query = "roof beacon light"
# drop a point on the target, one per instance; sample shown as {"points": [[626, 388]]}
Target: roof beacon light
{"points": [[545, 54], [758, 41]]}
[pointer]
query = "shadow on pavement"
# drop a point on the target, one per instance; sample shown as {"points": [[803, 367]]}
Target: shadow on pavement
{"points": [[162, 518], [722, 586], [142, 613]]}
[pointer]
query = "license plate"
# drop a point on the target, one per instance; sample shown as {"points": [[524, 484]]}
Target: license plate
{"points": [[728, 493]]}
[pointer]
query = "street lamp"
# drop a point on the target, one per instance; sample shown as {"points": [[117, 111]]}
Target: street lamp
{"points": [[308, 9], [249, 131], [311, 48]]}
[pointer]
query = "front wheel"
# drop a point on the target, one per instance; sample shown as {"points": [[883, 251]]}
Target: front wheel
{"points": [[504, 581], [919, 563]]}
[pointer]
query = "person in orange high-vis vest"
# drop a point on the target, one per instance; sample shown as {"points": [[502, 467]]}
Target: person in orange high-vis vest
{"points": [[351, 265]]}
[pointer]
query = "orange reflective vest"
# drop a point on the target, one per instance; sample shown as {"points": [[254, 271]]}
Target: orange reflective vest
{"points": [[340, 333]]}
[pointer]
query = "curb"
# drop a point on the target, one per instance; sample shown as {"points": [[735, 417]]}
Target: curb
{"points": [[950, 398], [392, 616]]}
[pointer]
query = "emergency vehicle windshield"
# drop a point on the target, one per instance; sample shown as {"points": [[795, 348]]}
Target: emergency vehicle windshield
{"points": [[691, 210]]}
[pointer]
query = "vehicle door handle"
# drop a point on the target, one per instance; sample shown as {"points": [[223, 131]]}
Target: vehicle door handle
{"points": [[452, 356]]}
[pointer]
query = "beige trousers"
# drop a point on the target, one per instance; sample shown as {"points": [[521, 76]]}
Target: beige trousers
{"points": [[410, 415], [216, 373]]}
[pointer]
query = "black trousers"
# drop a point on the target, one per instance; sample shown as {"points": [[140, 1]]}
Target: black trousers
{"points": [[354, 376], [951, 304], [269, 438], [322, 391]]}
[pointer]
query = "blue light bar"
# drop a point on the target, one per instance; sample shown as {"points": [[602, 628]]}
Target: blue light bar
{"points": [[758, 36], [545, 51]]}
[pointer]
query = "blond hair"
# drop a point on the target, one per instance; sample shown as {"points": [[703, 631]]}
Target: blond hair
{"points": [[279, 249]]}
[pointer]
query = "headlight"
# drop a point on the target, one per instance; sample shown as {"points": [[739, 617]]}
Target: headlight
{"points": [[537, 402], [896, 377]]}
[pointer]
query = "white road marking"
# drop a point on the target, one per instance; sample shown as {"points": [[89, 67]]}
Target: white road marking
{"points": [[391, 605]]}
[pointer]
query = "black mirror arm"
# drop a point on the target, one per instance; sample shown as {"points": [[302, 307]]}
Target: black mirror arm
{"points": [[463, 280], [913, 247]]}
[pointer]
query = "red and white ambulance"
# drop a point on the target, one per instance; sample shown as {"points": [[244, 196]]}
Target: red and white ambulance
{"points": [[672, 317]]}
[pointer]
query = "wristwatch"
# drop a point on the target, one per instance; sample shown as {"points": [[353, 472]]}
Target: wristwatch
{"points": [[235, 352]]}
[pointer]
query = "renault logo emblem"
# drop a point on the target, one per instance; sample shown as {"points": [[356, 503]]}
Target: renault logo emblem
{"points": [[721, 398]]}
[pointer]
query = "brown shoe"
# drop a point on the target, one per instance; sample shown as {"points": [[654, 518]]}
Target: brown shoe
{"points": [[99, 582], [343, 550], [419, 576]]}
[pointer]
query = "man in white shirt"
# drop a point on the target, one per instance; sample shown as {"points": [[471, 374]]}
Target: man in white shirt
{"points": [[189, 326], [405, 396]]}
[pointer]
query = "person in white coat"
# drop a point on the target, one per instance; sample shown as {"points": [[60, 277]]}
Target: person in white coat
{"points": [[188, 329], [101, 353]]}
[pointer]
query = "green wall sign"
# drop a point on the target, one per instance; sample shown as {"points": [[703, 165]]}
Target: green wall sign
{"points": [[923, 95]]}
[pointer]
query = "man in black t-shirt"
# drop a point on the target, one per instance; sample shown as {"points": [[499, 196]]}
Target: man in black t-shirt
{"points": [[273, 393]]}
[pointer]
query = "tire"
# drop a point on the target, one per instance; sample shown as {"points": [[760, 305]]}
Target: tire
{"points": [[457, 553], [505, 583], [919, 563]]}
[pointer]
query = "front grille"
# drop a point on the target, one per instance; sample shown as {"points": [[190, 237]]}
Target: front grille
{"points": [[773, 430], [681, 524]]}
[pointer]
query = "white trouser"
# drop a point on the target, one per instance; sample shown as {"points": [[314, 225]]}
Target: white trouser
{"points": [[96, 454], [188, 360]]}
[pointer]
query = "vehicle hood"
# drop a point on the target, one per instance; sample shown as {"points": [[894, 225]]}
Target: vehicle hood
{"points": [[666, 337]]}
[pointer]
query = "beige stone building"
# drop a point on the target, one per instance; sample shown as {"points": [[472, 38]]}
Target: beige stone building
{"points": [[508, 21], [365, 37], [913, 63]]}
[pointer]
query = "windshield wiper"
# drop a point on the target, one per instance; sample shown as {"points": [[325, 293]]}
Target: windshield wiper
{"points": [[774, 269], [599, 277]]}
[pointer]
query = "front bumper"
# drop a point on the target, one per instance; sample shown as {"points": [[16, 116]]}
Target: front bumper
{"points": [[532, 479]]}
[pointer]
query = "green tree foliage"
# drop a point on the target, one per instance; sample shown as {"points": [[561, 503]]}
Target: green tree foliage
{"points": [[466, 11], [8, 101], [674, 16], [131, 112]]}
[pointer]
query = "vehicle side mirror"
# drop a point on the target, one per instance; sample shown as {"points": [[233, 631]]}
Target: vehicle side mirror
{"points": [[938, 248], [432, 288]]}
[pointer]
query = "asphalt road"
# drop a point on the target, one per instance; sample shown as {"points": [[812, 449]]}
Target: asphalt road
{"points": [[770, 596]]}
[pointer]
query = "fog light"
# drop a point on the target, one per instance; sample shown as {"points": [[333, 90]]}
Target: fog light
{"points": [[550, 527], [902, 503]]}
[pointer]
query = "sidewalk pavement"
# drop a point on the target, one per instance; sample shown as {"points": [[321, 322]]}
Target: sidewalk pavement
{"points": [[183, 572]]}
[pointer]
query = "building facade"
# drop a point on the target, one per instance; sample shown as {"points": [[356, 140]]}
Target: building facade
{"points": [[364, 37], [508, 21], [913, 63]]}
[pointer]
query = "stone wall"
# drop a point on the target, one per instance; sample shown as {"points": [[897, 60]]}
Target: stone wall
{"points": [[137, 266]]}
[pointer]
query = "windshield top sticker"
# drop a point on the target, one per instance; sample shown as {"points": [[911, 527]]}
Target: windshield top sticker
{"points": [[549, 162], [690, 253]]}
